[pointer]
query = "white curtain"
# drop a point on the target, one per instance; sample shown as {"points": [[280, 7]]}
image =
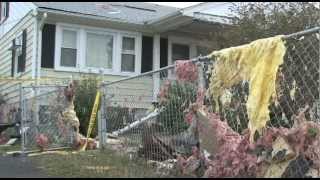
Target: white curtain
{"points": [[99, 51]]}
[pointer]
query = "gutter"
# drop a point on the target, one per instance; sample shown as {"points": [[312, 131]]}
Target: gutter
{"points": [[138, 27]]}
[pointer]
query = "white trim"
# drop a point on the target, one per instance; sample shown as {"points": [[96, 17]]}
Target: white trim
{"points": [[39, 34], [34, 48], [58, 46], [81, 49], [156, 65], [136, 52], [108, 30], [83, 66]]}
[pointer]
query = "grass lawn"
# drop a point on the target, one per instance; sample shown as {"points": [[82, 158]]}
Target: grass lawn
{"points": [[91, 164], [15, 147]]}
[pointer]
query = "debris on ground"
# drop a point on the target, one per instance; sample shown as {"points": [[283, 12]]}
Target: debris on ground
{"points": [[164, 168]]}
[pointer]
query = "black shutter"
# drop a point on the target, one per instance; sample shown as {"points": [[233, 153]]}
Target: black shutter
{"points": [[147, 54], [0, 11], [7, 9], [48, 41], [163, 52], [13, 57], [22, 60]]}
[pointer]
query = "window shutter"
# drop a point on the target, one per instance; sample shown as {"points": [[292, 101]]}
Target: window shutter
{"points": [[24, 51], [13, 58], [0, 11], [147, 54], [163, 52], [48, 42], [7, 9]]}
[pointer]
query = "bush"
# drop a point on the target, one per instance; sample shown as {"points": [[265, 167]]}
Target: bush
{"points": [[85, 94]]}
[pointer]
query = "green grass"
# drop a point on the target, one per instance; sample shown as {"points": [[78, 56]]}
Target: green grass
{"points": [[5, 149], [91, 164]]}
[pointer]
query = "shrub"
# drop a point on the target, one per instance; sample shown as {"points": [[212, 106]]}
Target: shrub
{"points": [[85, 94]]}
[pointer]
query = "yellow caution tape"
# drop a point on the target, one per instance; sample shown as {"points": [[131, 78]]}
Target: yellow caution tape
{"points": [[92, 118]]}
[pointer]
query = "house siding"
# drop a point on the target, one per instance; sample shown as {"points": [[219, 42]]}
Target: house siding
{"points": [[130, 90], [10, 89]]}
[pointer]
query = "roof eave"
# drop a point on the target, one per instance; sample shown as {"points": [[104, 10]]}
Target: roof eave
{"points": [[91, 16]]}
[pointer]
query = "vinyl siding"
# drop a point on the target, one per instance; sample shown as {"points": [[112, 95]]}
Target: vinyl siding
{"points": [[8, 88], [138, 92]]}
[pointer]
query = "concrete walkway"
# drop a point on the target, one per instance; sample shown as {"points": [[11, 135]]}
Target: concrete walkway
{"points": [[19, 167]]}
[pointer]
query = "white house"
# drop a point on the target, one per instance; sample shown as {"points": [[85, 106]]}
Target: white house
{"points": [[61, 39]]}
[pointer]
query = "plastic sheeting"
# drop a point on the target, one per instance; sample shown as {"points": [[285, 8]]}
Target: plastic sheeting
{"points": [[257, 63]]}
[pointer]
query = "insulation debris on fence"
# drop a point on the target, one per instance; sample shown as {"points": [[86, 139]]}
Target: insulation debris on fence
{"points": [[258, 63]]}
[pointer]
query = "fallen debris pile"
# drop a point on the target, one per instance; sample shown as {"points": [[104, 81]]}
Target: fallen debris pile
{"points": [[279, 152]]}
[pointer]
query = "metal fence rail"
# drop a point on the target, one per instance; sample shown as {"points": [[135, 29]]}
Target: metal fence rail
{"points": [[144, 115]]}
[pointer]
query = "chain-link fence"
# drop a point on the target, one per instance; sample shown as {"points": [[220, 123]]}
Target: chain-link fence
{"points": [[8, 113], [149, 116], [43, 125]]}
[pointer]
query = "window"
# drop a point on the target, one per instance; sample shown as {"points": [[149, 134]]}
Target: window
{"points": [[180, 52], [128, 54], [4, 11], [99, 51], [18, 58], [69, 48], [88, 49]]}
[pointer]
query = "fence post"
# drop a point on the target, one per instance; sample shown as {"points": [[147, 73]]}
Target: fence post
{"points": [[156, 65], [102, 123], [318, 103], [99, 129], [22, 112]]}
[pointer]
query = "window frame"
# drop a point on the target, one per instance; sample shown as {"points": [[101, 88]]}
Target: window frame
{"points": [[82, 44], [16, 58], [129, 52], [95, 69], [180, 44], [58, 47], [189, 41]]}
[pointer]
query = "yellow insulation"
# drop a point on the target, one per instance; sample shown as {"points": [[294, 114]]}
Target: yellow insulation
{"points": [[257, 63]]}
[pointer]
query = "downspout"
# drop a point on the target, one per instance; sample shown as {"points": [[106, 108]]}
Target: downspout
{"points": [[39, 26], [39, 44]]}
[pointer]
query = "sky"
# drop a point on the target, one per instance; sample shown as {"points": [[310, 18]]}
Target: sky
{"points": [[177, 4]]}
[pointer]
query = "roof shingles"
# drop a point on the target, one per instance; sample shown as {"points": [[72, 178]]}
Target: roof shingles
{"points": [[131, 12]]}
